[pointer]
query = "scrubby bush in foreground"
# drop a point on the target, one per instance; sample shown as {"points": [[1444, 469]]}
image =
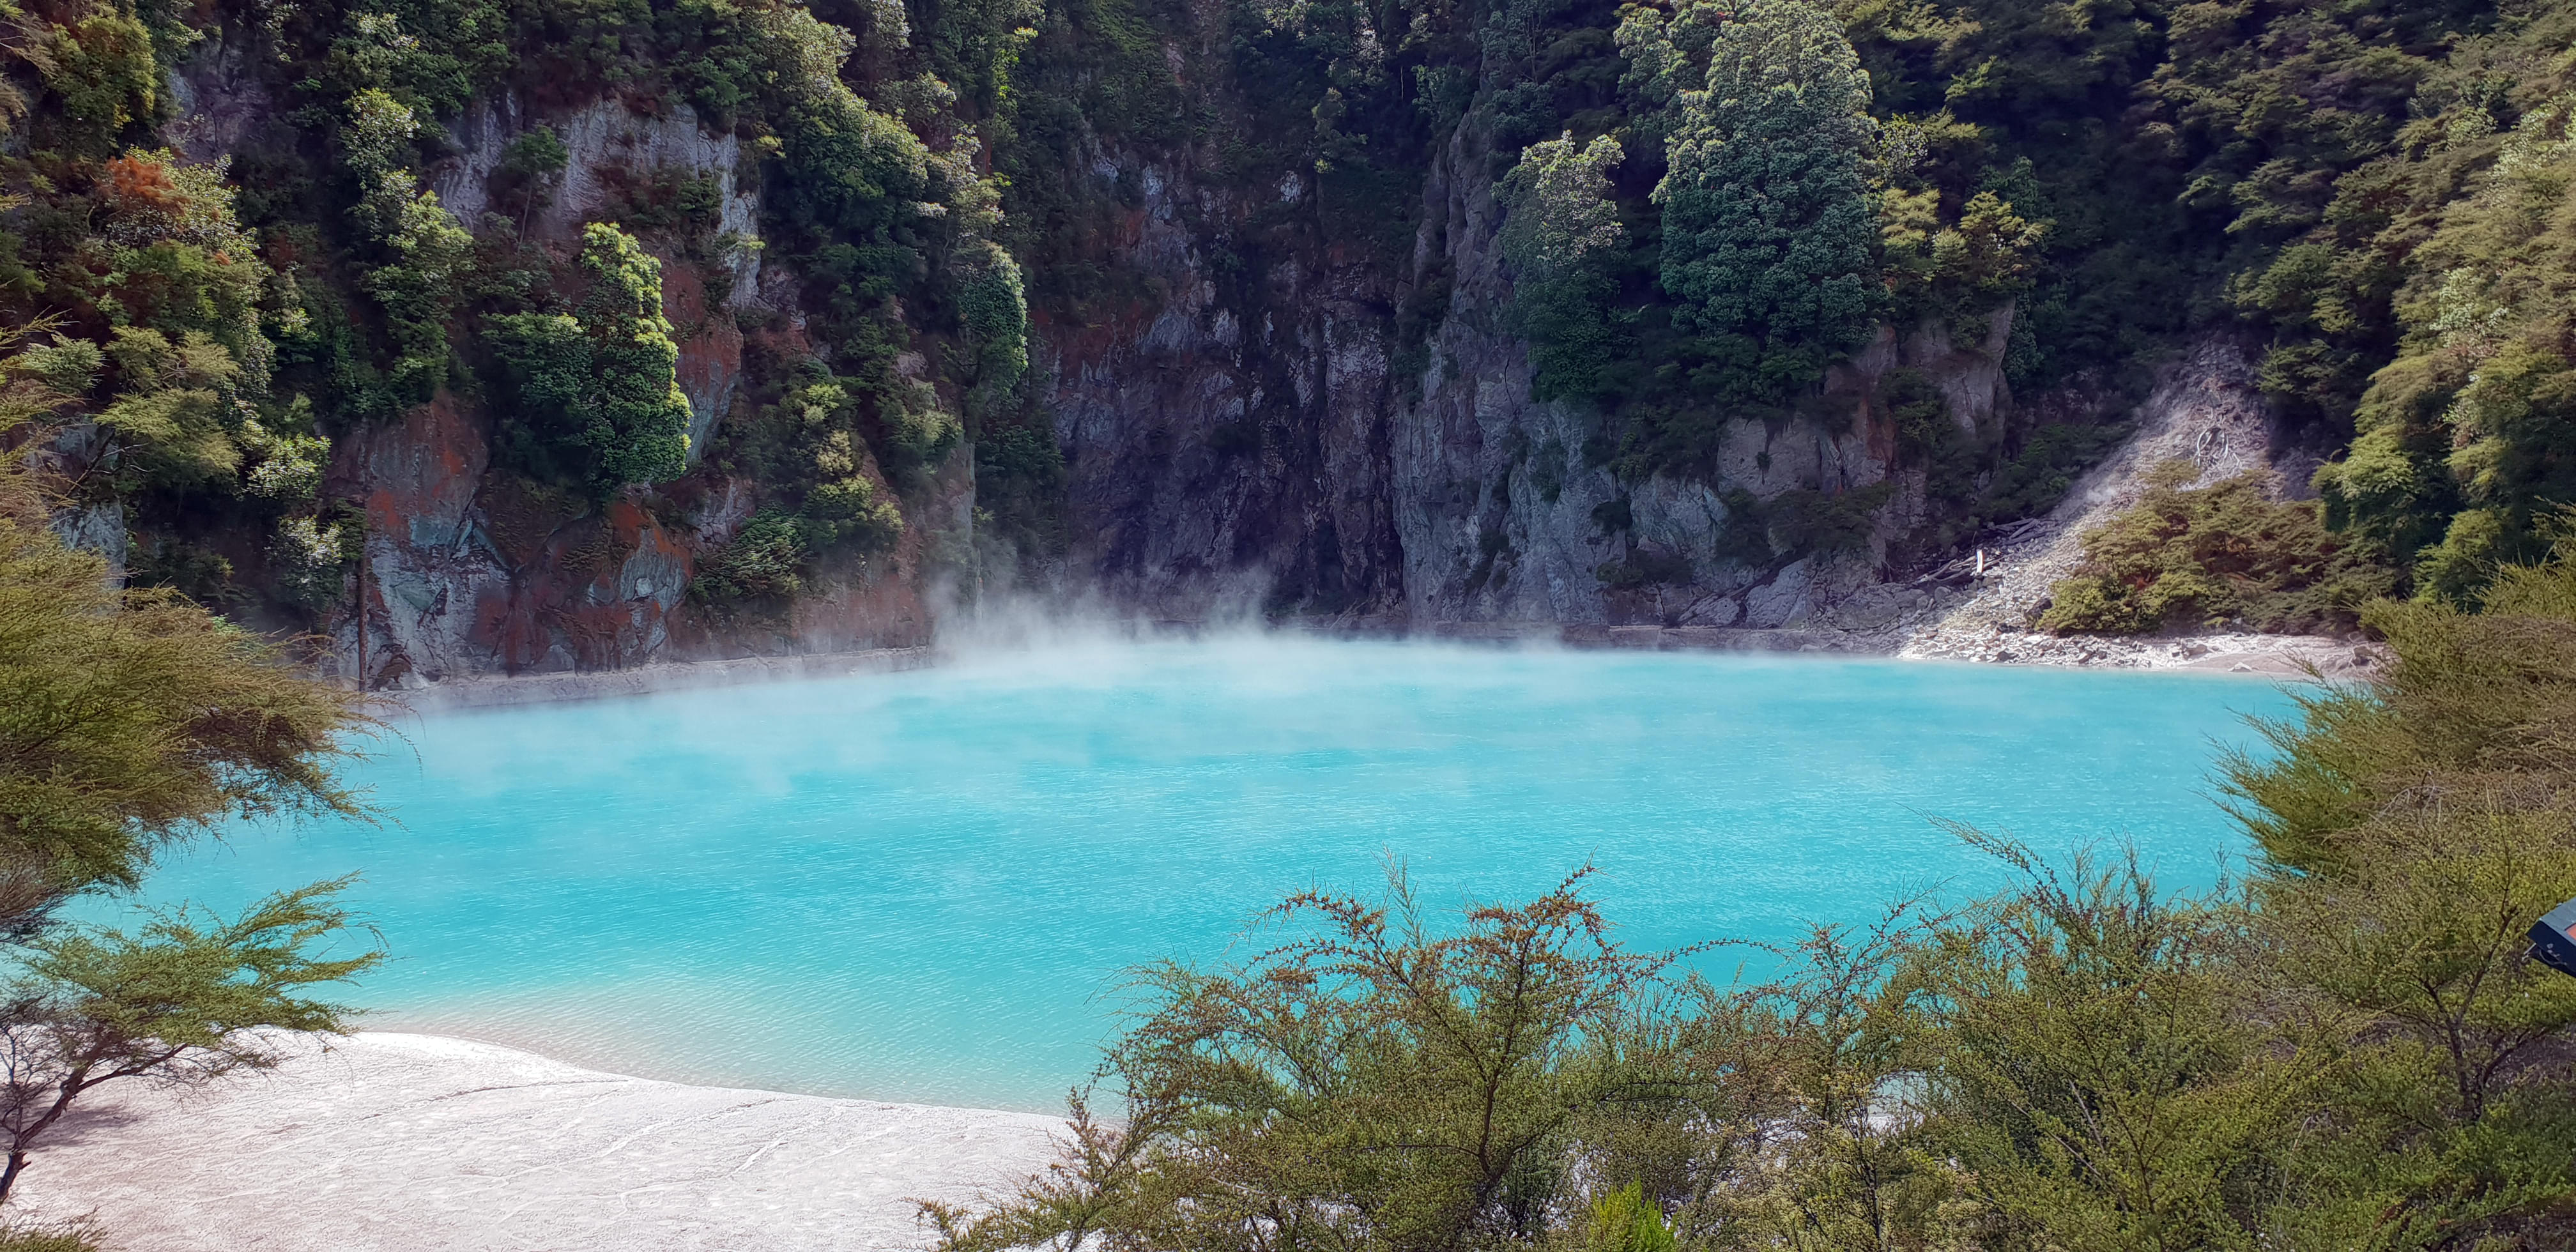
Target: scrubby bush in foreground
{"points": [[2347, 1047]]}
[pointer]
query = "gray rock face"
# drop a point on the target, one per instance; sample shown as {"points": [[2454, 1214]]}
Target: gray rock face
{"points": [[216, 100], [1230, 447], [1245, 438], [97, 528]]}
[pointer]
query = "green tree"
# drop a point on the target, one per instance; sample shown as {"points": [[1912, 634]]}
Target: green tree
{"points": [[993, 304], [2089, 1069], [597, 396], [638, 420], [1625, 1221], [2415, 829], [425, 251], [2481, 401], [1768, 229], [130, 720], [187, 1000], [98, 63], [1562, 225]]}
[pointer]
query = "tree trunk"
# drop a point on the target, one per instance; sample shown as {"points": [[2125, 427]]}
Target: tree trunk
{"points": [[8, 1176]]}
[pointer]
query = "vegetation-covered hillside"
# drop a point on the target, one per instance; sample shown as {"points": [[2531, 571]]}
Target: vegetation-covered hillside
{"points": [[223, 260], [207, 307]]}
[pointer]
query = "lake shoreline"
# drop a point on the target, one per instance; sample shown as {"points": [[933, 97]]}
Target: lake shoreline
{"points": [[2285, 656], [391, 1142]]}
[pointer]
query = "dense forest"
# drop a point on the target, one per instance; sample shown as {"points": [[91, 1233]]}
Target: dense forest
{"points": [[223, 262]]}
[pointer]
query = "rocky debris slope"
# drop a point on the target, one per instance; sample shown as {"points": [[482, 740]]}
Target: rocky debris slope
{"points": [[2206, 409]]}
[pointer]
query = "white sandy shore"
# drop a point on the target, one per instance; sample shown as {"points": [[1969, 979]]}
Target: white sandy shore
{"points": [[421, 1143]]}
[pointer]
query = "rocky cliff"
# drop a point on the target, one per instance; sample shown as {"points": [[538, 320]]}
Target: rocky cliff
{"points": [[1254, 439], [470, 569], [1457, 317], [1248, 441], [1274, 358]]}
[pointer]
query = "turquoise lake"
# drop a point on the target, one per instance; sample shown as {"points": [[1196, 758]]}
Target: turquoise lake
{"points": [[926, 886]]}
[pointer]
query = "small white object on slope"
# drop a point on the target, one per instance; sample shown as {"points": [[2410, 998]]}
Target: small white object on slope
{"points": [[430, 1144]]}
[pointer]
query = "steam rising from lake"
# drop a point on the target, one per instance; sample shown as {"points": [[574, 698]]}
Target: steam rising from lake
{"points": [[925, 886]]}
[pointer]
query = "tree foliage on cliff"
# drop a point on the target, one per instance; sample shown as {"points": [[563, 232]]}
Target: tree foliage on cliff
{"points": [[1563, 226], [1767, 227], [599, 389], [343, 292]]}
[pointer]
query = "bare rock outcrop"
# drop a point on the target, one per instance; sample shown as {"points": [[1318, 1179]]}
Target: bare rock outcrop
{"points": [[1228, 444], [1261, 435]]}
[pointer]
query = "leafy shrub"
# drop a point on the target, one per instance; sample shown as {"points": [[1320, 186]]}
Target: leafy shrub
{"points": [[763, 562], [638, 420], [993, 304], [310, 560], [1563, 223], [75, 1238], [2414, 828], [1425, 1094], [2045, 469], [1960, 269], [169, 415], [1625, 1221], [417, 286], [2225, 553], [1803, 521], [847, 510], [100, 67]]}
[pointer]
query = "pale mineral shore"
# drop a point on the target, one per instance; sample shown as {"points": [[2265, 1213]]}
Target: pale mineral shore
{"points": [[422, 1143]]}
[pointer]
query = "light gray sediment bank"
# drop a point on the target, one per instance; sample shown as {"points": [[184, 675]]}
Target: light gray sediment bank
{"points": [[422, 1143]]}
